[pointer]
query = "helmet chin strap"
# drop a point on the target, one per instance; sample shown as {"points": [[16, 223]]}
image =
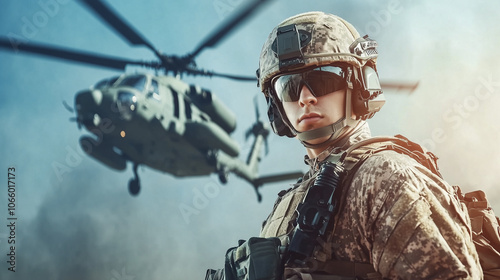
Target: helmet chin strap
{"points": [[333, 130]]}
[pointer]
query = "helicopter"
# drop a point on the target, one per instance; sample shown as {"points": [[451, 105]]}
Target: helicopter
{"points": [[160, 121]]}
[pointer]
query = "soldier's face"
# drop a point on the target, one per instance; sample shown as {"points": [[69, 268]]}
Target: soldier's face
{"points": [[311, 112]]}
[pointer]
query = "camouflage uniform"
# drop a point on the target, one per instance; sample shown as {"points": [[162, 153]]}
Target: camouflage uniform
{"points": [[394, 214]]}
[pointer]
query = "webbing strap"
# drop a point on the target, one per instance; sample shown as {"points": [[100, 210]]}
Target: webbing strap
{"points": [[361, 151]]}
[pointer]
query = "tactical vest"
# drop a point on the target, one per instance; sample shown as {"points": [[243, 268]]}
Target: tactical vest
{"points": [[281, 221]]}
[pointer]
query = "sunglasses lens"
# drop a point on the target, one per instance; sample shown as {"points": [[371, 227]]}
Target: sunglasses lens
{"points": [[287, 87], [321, 81]]}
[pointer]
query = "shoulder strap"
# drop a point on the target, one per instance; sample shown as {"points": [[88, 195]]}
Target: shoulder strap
{"points": [[356, 154]]}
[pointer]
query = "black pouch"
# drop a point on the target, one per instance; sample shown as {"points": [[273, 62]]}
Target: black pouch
{"points": [[255, 259], [213, 274]]}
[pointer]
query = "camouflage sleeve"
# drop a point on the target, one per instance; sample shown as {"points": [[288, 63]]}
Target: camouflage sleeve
{"points": [[409, 222]]}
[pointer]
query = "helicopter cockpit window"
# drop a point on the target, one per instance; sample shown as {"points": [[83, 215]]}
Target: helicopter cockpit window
{"points": [[136, 81], [106, 82], [153, 90]]}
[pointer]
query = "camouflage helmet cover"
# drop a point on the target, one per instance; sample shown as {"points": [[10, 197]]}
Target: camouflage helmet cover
{"points": [[331, 37]]}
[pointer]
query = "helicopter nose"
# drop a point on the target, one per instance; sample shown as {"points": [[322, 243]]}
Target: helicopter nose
{"points": [[88, 99], [87, 103], [126, 103]]}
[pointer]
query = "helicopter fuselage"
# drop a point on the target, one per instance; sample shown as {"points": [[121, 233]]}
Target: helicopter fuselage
{"points": [[158, 121]]}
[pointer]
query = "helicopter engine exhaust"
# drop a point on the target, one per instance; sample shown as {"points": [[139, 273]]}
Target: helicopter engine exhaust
{"points": [[215, 109], [208, 135]]}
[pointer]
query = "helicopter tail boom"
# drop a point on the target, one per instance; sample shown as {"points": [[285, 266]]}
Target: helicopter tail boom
{"points": [[249, 170]]}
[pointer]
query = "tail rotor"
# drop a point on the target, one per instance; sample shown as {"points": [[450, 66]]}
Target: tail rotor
{"points": [[259, 127]]}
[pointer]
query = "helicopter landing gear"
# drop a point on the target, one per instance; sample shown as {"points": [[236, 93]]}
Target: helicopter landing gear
{"points": [[223, 175], [222, 170], [134, 186], [259, 196]]}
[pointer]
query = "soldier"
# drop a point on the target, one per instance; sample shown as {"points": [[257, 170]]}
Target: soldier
{"points": [[394, 218]]}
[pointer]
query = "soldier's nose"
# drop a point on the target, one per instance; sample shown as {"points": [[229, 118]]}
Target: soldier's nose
{"points": [[306, 96]]}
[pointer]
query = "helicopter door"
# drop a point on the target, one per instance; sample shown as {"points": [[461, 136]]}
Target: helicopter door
{"points": [[175, 97], [187, 109]]}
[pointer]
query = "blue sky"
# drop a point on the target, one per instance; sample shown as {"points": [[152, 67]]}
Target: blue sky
{"points": [[84, 225]]}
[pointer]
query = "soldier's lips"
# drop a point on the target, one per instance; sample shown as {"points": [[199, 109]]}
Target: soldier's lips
{"points": [[309, 118]]}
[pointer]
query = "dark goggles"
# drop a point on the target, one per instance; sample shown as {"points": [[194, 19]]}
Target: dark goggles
{"points": [[321, 81]]}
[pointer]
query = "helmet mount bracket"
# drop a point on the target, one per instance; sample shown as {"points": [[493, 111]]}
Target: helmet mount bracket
{"points": [[289, 45]]}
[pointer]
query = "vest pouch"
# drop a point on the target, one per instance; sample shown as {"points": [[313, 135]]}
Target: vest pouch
{"points": [[255, 259], [486, 232]]}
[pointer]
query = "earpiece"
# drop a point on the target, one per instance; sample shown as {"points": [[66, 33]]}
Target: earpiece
{"points": [[368, 98], [276, 120]]}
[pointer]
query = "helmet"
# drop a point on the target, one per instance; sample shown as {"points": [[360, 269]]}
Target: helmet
{"points": [[316, 39]]}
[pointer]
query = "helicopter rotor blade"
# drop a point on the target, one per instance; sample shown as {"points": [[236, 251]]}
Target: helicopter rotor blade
{"points": [[256, 107], [120, 25], [234, 77], [71, 55], [400, 86], [248, 132], [261, 124], [69, 108], [196, 71], [228, 27], [266, 146]]}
